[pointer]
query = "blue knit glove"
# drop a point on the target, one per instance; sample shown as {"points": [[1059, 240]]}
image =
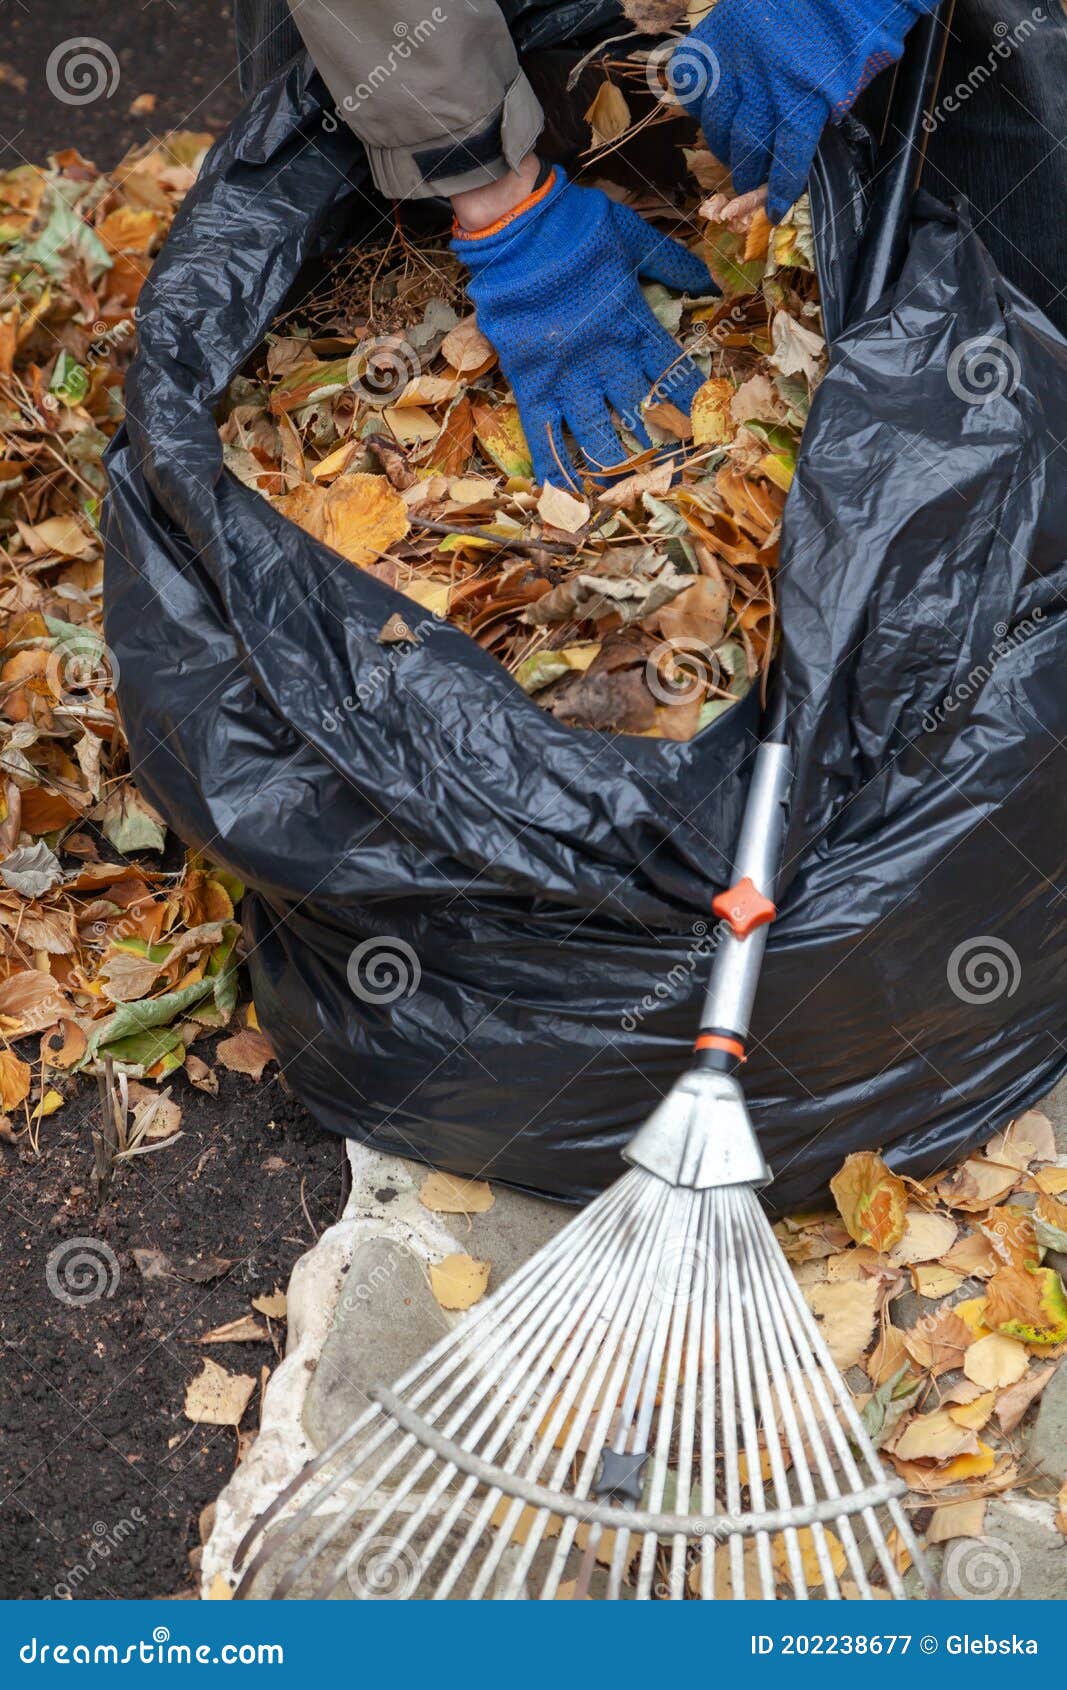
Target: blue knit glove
{"points": [[556, 291], [764, 77]]}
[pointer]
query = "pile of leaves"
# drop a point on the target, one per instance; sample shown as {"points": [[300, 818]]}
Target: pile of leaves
{"points": [[640, 600], [101, 954], [944, 1392]]}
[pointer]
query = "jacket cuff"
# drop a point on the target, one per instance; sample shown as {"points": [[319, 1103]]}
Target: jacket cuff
{"points": [[451, 164]]}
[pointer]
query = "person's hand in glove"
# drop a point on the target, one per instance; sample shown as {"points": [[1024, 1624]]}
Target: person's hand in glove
{"points": [[764, 77], [555, 286]]}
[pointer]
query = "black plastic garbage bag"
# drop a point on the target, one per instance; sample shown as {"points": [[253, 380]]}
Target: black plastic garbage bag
{"points": [[480, 938]]}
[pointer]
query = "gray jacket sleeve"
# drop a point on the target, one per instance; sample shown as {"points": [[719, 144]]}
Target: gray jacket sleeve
{"points": [[434, 92]]}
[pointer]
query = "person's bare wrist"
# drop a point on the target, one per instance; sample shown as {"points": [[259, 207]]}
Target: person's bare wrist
{"points": [[477, 208]]}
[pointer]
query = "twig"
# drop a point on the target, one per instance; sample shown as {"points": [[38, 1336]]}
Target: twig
{"points": [[504, 541]]}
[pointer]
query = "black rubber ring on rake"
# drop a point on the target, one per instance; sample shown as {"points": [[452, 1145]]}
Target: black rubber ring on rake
{"points": [[718, 1526]]}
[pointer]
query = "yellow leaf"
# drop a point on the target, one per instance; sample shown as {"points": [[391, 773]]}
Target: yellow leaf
{"points": [[431, 595], [411, 424], [609, 115], [499, 433], [219, 1590], [520, 1531], [995, 1361], [1028, 1304], [447, 1194], [713, 424], [970, 1311], [933, 1437], [14, 1081], [218, 1398], [459, 1281], [974, 1414], [871, 1200], [809, 1559], [1053, 1181], [363, 515], [930, 1279], [50, 1102]]}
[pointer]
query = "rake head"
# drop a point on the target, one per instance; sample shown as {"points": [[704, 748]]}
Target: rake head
{"points": [[645, 1409]]}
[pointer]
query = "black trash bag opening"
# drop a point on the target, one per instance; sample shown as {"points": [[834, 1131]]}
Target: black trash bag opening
{"points": [[481, 939]]}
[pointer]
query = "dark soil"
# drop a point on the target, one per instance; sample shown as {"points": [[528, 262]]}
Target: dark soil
{"points": [[183, 53], [94, 1445]]}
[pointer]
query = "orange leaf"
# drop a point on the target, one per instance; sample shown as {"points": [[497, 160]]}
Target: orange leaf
{"points": [[871, 1200]]}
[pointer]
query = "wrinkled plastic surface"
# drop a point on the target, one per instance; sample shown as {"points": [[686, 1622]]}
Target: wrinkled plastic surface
{"points": [[547, 891]]}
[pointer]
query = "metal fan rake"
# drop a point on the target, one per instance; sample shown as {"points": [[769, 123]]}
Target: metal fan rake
{"points": [[645, 1409]]}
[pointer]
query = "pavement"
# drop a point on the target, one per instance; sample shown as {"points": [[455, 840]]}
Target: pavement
{"points": [[361, 1312]]}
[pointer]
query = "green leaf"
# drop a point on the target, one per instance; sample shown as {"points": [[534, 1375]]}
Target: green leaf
{"points": [[70, 380], [130, 1020], [129, 824], [66, 236]]}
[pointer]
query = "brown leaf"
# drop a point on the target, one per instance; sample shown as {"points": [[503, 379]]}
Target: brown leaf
{"points": [[871, 1200], [939, 1342], [1013, 1403], [977, 1183], [466, 348], [561, 509], [201, 1076], [271, 1303], [244, 1330], [609, 115], [248, 1052], [218, 1398]]}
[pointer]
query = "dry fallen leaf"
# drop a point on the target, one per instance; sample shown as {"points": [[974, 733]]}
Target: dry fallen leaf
{"points": [[845, 1314], [218, 1398], [272, 1304], [1013, 1403], [933, 1281], [871, 1200], [957, 1519], [459, 1281], [609, 115], [244, 1330], [926, 1238], [809, 1555], [561, 509], [977, 1183], [447, 1194], [1027, 1303], [14, 1081], [933, 1437], [995, 1362], [248, 1052]]}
